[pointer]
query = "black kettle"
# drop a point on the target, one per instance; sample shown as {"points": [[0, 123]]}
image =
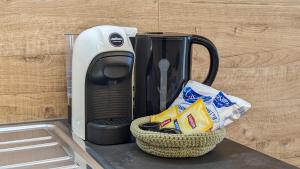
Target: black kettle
{"points": [[163, 66]]}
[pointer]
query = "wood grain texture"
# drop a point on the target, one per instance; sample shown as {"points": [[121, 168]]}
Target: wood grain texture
{"points": [[33, 28], [32, 107], [258, 41], [32, 43], [259, 46]]}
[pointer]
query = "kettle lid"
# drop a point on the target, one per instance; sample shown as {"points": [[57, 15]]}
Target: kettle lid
{"points": [[163, 34]]}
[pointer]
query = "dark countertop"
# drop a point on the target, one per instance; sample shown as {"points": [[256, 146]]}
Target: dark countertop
{"points": [[227, 155]]}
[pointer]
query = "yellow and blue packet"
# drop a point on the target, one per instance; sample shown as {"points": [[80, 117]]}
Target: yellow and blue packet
{"points": [[166, 118], [194, 119]]}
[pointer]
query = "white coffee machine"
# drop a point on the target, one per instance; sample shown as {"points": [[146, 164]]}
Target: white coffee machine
{"points": [[102, 64]]}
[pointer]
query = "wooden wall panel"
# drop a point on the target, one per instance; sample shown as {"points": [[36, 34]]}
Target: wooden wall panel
{"points": [[34, 28], [32, 71], [32, 106], [259, 46]]}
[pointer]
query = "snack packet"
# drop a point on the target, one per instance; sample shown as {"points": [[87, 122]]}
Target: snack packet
{"points": [[166, 117], [194, 119], [222, 108]]}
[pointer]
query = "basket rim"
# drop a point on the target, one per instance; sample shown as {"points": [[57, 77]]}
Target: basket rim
{"points": [[134, 127]]}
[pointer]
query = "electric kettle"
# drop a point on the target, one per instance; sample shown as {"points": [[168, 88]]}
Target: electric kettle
{"points": [[163, 66]]}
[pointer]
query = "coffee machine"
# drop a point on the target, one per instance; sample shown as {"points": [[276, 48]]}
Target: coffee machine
{"points": [[102, 65], [163, 66]]}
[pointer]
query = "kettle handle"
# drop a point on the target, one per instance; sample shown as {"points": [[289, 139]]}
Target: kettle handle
{"points": [[214, 57]]}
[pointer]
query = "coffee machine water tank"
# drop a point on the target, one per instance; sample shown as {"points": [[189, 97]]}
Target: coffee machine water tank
{"points": [[102, 66]]}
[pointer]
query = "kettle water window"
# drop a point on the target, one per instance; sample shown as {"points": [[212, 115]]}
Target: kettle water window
{"points": [[163, 67]]}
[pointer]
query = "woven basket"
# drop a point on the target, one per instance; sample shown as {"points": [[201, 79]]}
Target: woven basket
{"points": [[174, 145]]}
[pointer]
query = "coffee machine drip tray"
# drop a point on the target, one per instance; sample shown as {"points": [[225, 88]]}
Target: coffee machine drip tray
{"points": [[109, 130]]}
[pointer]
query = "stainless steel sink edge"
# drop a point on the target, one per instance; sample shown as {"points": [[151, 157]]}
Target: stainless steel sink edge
{"points": [[58, 131]]}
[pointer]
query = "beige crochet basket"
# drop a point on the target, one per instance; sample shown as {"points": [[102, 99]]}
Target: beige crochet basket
{"points": [[174, 145]]}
